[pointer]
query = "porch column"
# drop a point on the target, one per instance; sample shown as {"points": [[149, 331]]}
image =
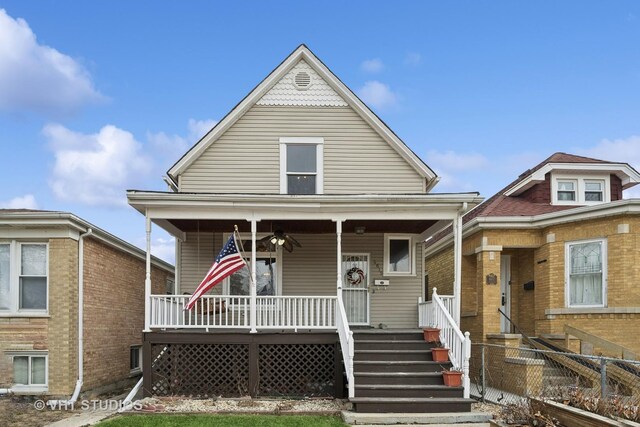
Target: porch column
{"points": [[147, 279], [457, 266], [254, 291], [339, 258]]}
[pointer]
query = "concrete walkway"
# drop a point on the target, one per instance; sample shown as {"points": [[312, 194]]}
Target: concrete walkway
{"points": [[87, 418]]}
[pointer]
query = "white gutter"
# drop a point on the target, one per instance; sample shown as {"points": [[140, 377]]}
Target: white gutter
{"points": [[76, 391], [6, 390]]}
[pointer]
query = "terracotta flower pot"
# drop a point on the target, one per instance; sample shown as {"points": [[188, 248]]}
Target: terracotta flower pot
{"points": [[452, 378], [440, 354], [431, 334]]}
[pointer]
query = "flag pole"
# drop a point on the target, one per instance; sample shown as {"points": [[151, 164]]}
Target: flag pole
{"points": [[236, 235]]}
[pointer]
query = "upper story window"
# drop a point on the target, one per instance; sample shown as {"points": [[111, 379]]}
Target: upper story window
{"points": [[301, 165], [23, 277], [586, 273], [398, 255], [580, 190]]}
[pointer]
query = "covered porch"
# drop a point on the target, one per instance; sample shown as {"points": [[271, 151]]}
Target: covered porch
{"points": [[359, 260]]}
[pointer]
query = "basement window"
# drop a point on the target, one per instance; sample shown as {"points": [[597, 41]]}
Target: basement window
{"points": [[135, 359], [30, 372]]}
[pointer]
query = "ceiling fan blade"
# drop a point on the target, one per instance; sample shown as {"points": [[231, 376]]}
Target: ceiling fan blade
{"points": [[287, 245], [292, 240]]}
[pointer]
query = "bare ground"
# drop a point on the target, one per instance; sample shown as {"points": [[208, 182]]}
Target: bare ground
{"points": [[20, 411]]}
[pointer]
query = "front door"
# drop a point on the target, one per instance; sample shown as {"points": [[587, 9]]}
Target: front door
{"points": [[355, 288], [505, 292]]}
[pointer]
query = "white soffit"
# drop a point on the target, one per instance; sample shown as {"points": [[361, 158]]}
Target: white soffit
{"points": [[316, 94]]}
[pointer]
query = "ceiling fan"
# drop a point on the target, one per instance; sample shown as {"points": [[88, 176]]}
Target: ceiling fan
{"points": [[279, 238]]}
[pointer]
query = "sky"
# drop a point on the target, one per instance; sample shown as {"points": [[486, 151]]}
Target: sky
{"points": [[103, 96]]}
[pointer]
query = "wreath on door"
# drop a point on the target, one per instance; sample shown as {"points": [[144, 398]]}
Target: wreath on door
{"points": [[355, 276]]}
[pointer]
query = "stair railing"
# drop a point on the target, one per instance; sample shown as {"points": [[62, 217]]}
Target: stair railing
{"points": [[451, 336], [346, 344]]}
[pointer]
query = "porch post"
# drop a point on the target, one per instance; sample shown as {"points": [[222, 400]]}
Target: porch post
{"points": [[254, 291], [147, 279], [339, 252], [457, 266]]}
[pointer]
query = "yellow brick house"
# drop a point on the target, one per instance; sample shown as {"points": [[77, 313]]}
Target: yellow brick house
{"points": [[556, 250], [71, 308]]}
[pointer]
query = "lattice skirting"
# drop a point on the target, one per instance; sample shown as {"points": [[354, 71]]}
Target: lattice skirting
{"points": [[283, 365]]}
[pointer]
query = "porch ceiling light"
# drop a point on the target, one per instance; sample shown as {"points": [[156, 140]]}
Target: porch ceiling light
{"points": [[359, 229]]}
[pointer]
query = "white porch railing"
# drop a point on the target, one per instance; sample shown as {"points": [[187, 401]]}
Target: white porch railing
{"points": [[293, 312], [346, 345], [226, 311], [434, 313]]}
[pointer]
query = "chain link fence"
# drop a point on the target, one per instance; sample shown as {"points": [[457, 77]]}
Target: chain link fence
{"points": [[511, 375]]}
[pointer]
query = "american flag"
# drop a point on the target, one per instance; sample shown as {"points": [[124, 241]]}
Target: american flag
{"points": [[226, 263]]}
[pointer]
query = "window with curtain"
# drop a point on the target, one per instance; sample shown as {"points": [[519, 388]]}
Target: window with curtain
{"points": [[30, 370], [586, 273], [5, 276], [33, 277]]}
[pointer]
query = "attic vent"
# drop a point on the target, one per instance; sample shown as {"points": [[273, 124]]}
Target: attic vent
{"points": [[302, 80]]}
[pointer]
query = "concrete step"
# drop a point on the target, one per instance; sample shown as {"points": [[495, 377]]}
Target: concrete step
{"points": [[411, 404], [399, 378], [375, 344], [405, 390], [392, 355], [399, 366], [477, 419]]}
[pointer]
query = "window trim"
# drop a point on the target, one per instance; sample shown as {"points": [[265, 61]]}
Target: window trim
{"points": [[301, 140], [412, 255], [580, 188], [567, 273], [602, 191], [137, 369], [15, 272], [32, 388]]}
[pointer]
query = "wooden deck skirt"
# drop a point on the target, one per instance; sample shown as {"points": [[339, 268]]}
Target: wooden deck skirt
{"points": [[232, 364]]}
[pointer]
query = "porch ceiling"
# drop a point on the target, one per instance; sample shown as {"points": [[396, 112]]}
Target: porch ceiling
{"points": [[305, 226]]}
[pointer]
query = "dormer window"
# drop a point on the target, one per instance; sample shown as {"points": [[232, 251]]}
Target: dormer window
{"points": [[587, 189], [593, 191], [566, 191]]}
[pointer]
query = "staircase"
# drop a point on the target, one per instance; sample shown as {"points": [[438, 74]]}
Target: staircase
{"points": [[394, 372]]}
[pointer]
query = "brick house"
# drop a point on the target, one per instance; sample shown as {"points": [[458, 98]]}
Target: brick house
{"points": [[60, 275], [557, 248]]}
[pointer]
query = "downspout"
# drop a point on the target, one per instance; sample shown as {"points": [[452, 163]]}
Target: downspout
{"points": [[76, 391], [457, 262]]}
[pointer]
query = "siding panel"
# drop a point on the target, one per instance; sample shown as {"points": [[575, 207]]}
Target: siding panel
{"points": [[246, 158]]}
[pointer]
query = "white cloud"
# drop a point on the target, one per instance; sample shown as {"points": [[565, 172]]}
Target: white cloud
{"points": [[35, 77], [456, 171], [95, 169], [374, 65], [164, 248], [412, 58], [170, 148], [618, 150], [28, 201], [378, 95]]}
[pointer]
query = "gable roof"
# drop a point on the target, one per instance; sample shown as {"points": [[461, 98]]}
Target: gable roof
{"points": [[304, 53]]}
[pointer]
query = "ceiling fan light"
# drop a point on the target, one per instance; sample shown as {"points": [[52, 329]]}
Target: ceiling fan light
{"points": [[274, 240], [280, 241]]}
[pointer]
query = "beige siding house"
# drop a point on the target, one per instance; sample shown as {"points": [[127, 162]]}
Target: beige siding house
{"points": [[332, 210], [71, 305]]}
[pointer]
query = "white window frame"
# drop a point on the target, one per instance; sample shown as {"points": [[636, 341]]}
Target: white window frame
{"points": [[300, 140], [567, 273], [137, 369], [580, 188], [412, 255], [31, 388], [15, 272], [592, 181], [226, 284]]}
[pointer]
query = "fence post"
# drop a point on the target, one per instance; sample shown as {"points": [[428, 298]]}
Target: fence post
{"points": [[483, 376], [603, 377]]}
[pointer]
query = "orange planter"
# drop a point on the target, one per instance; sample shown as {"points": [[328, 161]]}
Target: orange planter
{"points": [[431, 334], [440, 354], [452, 378]]}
